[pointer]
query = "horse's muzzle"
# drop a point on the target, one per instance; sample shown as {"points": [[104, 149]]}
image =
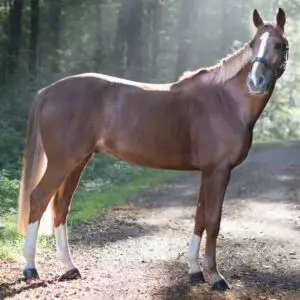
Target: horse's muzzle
{"points": [[257, 85]]}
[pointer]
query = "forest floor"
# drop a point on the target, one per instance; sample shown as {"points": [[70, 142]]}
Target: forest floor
{"points": [[137, 251]]}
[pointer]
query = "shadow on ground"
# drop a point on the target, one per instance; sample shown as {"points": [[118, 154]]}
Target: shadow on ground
{"points": [[10, 289], [108, 229], [249, 284]]}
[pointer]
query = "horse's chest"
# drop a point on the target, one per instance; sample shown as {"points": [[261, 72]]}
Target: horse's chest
{"points": [[239, 150], [227, 145]]}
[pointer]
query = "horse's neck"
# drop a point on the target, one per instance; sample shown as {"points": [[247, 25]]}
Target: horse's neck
{"points": [[250, 106]]}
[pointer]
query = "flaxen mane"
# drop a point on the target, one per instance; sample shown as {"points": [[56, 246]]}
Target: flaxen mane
{"points": [[226, 69]]}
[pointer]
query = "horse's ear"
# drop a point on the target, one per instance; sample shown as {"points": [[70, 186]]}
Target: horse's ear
{"points": [[280, 18], [257, 20]]}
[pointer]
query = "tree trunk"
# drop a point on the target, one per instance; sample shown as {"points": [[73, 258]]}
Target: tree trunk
{"points": [[15, 34], [120, 41], [146, 40], [55, 30], [98, 55], [185, 37], [155, 46], [225, 18], [134, 40], [34, 33], [128, 43]]}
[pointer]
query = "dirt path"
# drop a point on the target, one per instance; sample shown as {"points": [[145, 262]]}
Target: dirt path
{"points": [[138, 251]]}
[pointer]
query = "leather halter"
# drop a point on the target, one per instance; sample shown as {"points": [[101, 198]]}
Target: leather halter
{"points": [[277, 71]]}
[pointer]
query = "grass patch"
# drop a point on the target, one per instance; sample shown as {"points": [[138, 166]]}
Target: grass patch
{"points": [[89, 205], [12, 243]]}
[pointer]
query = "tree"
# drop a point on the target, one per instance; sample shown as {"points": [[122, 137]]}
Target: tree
{"points": [[120, 40], [99, 53], [185, 34], [134, 39], [156, 23], [34, 32], [128, 42], [55, 32], [15, 35]]}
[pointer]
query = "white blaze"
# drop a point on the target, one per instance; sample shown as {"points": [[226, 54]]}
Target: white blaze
{"points": [[261, 51]]}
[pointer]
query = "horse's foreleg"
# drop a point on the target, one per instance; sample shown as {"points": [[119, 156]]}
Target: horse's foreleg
{"points": [[39, 200], [62, 202], [215, 187], [195, 270]]}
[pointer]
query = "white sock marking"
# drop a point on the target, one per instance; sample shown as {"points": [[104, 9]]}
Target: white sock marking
{"points": [[30, 245], [62, 247], [261, 51], [215, 276], [193, 254]]}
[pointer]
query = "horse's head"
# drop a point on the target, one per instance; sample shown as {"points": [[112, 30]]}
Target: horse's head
{"points": [[270, 53]]}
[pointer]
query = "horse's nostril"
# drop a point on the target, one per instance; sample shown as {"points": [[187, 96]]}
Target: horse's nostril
{"points": [[261, 81], [251, 83]]}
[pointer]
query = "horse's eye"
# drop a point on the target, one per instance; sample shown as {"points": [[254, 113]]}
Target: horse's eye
{"points": [[278, 46]]}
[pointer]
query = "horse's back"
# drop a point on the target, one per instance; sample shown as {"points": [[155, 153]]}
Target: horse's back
{"points": [[103, 79], [99, 112]]}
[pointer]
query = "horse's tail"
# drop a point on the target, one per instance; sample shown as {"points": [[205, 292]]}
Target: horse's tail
{"points": [[34, 165]]}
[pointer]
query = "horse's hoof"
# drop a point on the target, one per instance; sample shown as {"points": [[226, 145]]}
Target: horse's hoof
{"points": [[197, 278], [30, 275], [70, 275], [221, 286]]}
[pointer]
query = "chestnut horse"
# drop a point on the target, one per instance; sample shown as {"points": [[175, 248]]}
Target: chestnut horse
{"points": [[204, 121]]}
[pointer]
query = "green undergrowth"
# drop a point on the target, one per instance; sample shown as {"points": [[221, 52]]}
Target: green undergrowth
{"points": [[11, 243], [88, 205]]}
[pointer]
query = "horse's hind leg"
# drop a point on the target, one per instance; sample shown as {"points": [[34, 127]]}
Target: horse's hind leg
{"points": [[61, 210], [40, 197]]}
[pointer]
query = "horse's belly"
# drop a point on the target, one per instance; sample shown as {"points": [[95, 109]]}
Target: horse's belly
{"points": [[147, 156]]}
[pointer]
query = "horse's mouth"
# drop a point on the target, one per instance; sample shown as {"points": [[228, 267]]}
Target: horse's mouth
{"points": [[257, 91]]}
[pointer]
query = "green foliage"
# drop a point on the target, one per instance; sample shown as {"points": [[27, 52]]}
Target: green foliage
{"points": [[8, 194]]}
